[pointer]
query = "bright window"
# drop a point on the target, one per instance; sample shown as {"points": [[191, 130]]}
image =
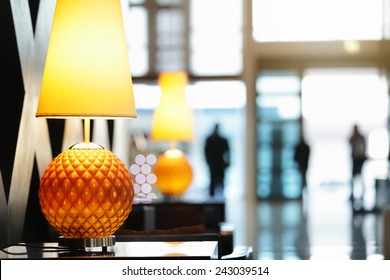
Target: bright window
{"points": [[317, 20], [216, 37], [136, 27], [170, 39], [200, 95]]}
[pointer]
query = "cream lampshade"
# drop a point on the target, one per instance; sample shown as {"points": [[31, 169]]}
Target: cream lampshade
{"points": [[173, 121], [86, 192]]}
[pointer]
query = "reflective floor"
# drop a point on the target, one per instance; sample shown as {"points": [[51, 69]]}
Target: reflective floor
{"points": [[322, 225]]}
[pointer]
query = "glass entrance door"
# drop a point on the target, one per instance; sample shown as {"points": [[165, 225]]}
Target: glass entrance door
{"points": [[333, 101], [278, 131]]}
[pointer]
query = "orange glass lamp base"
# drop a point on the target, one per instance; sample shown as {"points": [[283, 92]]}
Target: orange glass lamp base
{"points": [[86, 192], [174, 173]]}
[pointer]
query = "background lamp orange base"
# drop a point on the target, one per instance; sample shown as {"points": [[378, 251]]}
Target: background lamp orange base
{"points": [[86, 194], [173, 172]]}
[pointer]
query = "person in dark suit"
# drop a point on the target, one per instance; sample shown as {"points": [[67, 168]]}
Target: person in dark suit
{"points": [[358, 155], [217, 155], [301, 156]]}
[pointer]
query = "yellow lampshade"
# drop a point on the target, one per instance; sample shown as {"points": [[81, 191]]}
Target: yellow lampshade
{"points": [[172, 119], [87, 71]]}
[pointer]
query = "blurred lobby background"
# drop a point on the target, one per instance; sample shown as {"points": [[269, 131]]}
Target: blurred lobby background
{"points": [[265, 71]]}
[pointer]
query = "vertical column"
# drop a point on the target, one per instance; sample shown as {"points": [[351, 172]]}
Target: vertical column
{"points": [[249, 76]]}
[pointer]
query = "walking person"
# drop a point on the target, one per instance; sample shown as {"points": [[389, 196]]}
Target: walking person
{"points": [[217, 155], [301, 157], [358, 156]]}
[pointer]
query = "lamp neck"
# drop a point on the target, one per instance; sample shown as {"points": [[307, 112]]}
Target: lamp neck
{"points": [[87, 129], [173, 145]]}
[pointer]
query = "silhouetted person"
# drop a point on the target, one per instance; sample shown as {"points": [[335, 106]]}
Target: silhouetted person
{"points": [[301, 156], [218, 159], [358, 154]]}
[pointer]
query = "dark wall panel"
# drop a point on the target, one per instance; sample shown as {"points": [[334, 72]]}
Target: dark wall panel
{"points": [[12, 93]]}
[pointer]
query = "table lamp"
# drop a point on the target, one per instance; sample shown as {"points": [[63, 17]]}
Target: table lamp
{"points": [[172, 121], [86, 192]]}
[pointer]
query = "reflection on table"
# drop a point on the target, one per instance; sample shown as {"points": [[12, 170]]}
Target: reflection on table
{"points": [[121, 250]]}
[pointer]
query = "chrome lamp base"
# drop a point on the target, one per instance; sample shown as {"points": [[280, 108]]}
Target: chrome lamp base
{"points": [[87, 244]]}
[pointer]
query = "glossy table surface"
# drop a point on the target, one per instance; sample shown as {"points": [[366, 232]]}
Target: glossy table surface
{"points": [[121, 250]]}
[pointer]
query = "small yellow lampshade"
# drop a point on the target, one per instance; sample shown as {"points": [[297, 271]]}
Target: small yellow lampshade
{"points": [[172, 119], [87, 71]]}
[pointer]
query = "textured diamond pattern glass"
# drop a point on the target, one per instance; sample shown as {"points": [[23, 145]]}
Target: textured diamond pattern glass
{"points": [[86, 193]]}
